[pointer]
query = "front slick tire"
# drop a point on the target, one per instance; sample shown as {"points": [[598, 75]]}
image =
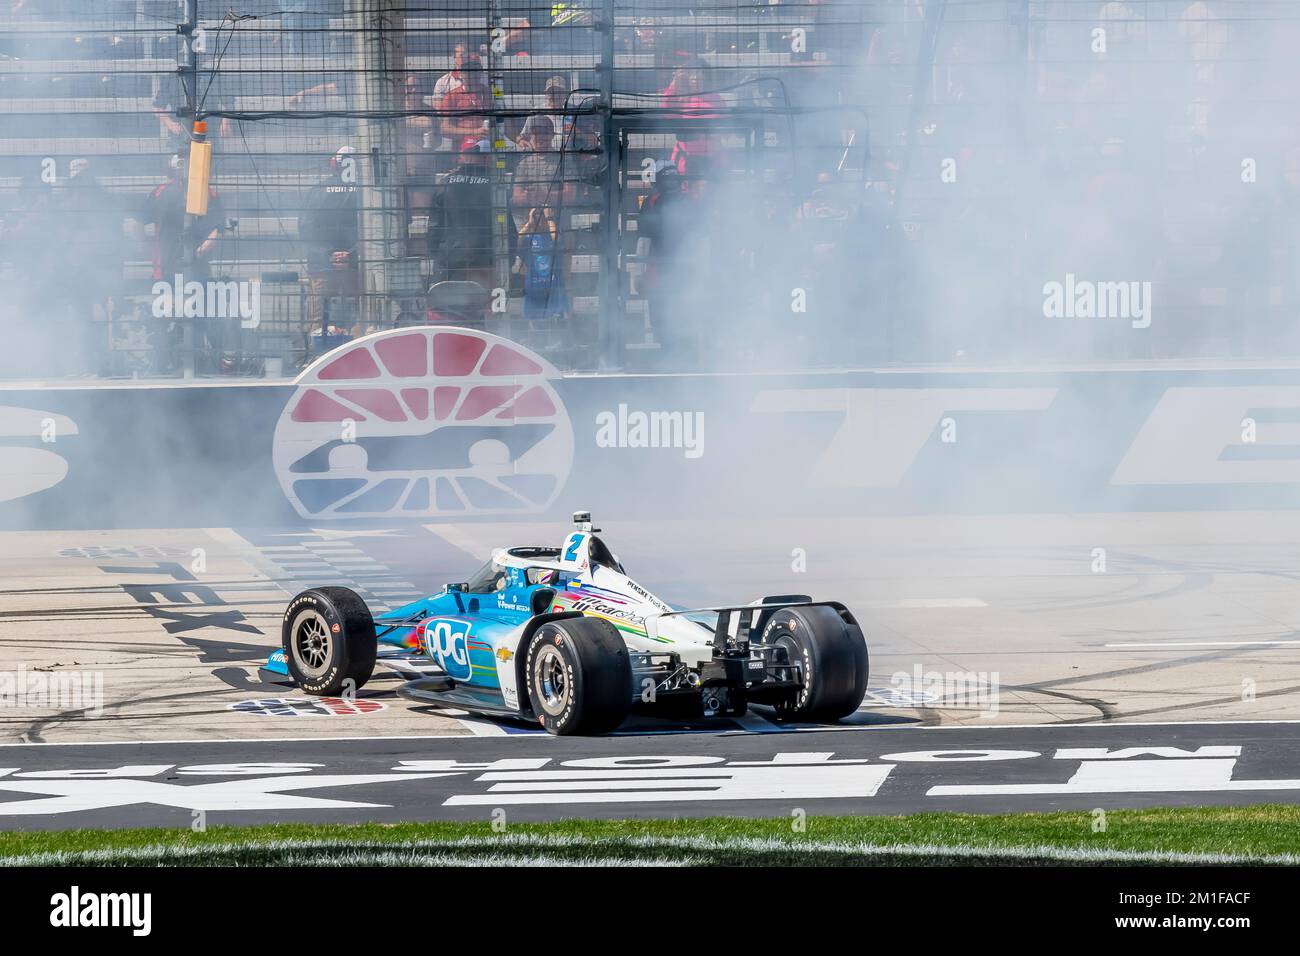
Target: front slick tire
{"points": [[579, 676], [832, 654], [329, 641]]}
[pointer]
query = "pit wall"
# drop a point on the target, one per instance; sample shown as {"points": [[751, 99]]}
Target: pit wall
{"points": [[764, 445]]}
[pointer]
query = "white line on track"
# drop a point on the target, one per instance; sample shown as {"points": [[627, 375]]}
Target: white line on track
{"points": [[1158, 644], [1106, 724], [757, 724], [477, 727]]}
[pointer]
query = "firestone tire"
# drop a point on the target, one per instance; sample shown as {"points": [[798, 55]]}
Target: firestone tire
{"points": [[832, 654], [329, 641], [579, 676]]}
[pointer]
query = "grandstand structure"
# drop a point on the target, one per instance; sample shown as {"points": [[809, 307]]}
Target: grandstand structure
{"points": [[645, 184]]}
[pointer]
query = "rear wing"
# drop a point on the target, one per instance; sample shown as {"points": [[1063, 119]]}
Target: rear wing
{"points": [[735, 623]]}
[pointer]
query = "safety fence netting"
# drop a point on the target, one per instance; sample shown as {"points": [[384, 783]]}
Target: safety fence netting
{"points": [[659, 184]]}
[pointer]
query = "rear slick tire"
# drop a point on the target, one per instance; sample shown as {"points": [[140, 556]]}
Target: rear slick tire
{"points": [[832, 656]]}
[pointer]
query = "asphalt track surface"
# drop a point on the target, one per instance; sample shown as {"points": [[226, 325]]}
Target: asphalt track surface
{"points": [[538, 777], [976, 625]]}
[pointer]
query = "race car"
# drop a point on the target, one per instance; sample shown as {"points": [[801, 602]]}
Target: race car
{"points": [[565, 638]]}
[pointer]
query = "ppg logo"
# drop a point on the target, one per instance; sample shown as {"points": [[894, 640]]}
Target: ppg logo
{"points": [[447, 642]]}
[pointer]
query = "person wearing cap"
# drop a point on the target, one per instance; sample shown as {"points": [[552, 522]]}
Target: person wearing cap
{"points": [[574, 130], [555, 96], [536, 179], [328, 230]]}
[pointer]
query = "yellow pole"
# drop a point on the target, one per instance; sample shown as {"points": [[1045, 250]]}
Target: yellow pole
{"points": [[196, 196]]}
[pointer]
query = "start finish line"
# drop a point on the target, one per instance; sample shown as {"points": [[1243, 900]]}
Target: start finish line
{"points": [[627, 779]]}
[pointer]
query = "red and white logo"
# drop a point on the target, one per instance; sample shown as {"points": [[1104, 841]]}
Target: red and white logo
{"points": [[424, 422], [309, 707]]}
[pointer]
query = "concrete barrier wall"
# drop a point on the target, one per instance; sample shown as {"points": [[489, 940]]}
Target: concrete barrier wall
{"points": [[532, 443]]}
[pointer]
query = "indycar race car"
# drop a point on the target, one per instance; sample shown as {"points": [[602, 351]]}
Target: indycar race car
{"points": [[563, 637]]}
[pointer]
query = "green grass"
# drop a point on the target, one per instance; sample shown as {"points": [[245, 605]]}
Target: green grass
{"points": [[1266, 834]]}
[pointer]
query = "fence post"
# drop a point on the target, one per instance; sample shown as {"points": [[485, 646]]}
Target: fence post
{"points": [[379, 50], [611, 312]]}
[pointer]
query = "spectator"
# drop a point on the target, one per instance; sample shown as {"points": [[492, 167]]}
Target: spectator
{"points": [[454, 78], [581, 163], [339, 93], [545, 302], [183, 244], [570, 30], [178, 249], [460, 222], [464, 108], [685, 96], [536, 180], [566, 15], [320, 95], [328, 228], [556, 97], [420, 141]]}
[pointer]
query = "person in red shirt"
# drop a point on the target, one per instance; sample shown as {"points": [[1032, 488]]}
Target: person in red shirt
{"points": [[686, 96], [464, 108]]}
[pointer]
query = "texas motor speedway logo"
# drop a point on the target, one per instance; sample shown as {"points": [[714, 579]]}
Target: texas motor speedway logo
{"points": [[929, 779], [421, 423]]}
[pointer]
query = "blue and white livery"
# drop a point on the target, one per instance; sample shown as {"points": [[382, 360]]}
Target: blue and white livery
{"points": [[565, 638]]}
